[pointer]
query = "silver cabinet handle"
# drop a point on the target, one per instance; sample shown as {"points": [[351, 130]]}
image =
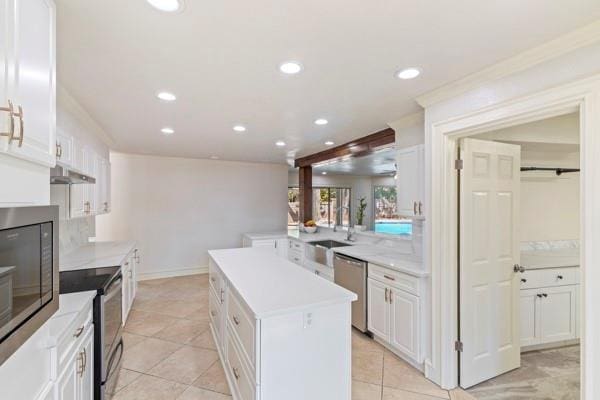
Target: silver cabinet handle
{"points": [[58, 151], [391, 296], [518, 268], [415, 207], [84, 360], [236, 373], [78, 332], [214, 314], [222, 296], [386, 295], [236, 320], [420, 208], [80, 368], [11, 114], [391, 278]]}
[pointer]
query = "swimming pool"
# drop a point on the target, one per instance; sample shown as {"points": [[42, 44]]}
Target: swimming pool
{"points": [[394, 228]]}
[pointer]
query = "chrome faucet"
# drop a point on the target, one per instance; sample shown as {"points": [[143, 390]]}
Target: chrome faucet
{"points": [[349, 237]]}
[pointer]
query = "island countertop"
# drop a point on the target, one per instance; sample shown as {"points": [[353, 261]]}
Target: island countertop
{"points": [[271, 285]]}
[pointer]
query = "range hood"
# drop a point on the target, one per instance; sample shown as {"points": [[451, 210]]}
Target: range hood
{"points": [[60, 175]]}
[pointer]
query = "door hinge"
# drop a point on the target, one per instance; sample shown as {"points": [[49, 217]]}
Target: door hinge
{"points": [[458, 164], [458, 346]]}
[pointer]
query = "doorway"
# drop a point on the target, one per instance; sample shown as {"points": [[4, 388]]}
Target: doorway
{"points": [[519, 260]]}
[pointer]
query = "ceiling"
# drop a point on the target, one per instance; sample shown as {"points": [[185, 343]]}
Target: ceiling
{"points": [[380, 163], [221, 59]]}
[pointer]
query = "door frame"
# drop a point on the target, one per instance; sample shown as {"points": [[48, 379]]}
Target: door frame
{"points": [[582, 96]]}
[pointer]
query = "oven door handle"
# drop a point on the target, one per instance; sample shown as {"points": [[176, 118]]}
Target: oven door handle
{"points": [[112, 363]]}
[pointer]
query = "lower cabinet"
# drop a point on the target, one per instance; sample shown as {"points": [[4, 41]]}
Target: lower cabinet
{"points": [[76, 380], [129, 271], [394, 314]]}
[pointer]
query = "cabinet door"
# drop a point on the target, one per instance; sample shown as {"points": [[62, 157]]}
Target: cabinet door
{"points": [[67, 385], [5, 120], [404, 313], [409, 182], [378, 309], [86, 380], [558, 314], [282, 247], [270, 243], [32, 82], [529, 304]]}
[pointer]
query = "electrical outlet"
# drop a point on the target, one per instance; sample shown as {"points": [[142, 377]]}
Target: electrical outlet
{"points": [[308, 320]]}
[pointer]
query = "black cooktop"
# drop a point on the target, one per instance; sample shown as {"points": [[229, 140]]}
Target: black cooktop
{"points": [[87, 279]]}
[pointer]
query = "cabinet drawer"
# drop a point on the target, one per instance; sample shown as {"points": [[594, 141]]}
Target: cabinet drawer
{"points": [[242, 380], [537, 278], [214, 277], [296, 245], [295, 256], [72, 337], [395, 279], [244, 326]]}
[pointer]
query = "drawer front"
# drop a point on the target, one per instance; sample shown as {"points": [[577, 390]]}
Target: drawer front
{"points": [[296, 245], [242, 380], [394, 279], [295, 256], [538, 278], [73, 336], [214, 278], [214, 306], [244, 326]]}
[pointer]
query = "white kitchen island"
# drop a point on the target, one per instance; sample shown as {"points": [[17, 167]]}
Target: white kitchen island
{"points": [[281, 332]]}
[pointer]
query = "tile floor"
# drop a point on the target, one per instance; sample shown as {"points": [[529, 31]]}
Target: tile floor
{"points": [[547, 374], [170, 354]]}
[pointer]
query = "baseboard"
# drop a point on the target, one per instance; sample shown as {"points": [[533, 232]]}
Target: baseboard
{"points": [[145, 276], [553, 345]]}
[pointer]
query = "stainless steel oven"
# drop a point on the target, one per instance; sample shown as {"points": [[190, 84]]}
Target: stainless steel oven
{"points": [[28, 273]]}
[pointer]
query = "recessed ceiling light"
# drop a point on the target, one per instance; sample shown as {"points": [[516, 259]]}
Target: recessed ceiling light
{"points": [[329, 143], [290, 67], [166, 5], [167, 131], [239, 128], [321, 121], [408, 73], [166, 96], [324, 173], [280, 143]]}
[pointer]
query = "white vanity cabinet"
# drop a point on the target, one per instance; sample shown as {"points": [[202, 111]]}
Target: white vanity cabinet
{"points": [[394, 311], [549, 306], [28, 89], [410, 169]]}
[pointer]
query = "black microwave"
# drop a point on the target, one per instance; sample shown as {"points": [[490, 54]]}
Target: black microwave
{"points": [[28, 273]]}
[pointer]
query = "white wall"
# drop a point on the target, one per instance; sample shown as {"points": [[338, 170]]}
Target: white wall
{"points": [[177, 209]]}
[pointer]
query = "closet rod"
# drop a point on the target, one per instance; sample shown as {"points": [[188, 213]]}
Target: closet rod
{"points": [[559, 171]]}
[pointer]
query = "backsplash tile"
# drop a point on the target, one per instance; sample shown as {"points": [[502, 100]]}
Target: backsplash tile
{"points": [[75, 232]]}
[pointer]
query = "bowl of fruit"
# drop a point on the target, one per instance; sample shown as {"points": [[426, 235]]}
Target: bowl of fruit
{"points": [[310, 226]]}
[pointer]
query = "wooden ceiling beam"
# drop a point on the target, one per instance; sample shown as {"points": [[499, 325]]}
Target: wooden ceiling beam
{"points": [[356, 148]]}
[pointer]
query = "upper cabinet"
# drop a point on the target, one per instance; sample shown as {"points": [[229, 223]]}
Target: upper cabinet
{"points": [[410, 166], [28, 85]]}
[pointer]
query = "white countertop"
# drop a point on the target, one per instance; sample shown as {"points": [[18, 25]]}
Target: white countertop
{"points": [[271, 285], [266, 235], [385, 257], [96, 255], [70, 305], [540, 259]]}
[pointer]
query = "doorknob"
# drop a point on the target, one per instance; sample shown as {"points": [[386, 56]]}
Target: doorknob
{"points": [[518, 268]]}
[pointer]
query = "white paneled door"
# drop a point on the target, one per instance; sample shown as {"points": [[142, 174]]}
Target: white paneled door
{"points": [[489, 250]]}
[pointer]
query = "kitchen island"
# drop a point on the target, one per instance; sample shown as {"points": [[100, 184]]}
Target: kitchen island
{"points": [[281, 332]]}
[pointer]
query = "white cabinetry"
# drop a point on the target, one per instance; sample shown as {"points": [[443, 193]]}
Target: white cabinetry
{"points": [[28, 91], [394, 311], [409, 182], [278, 244], [549, 306], [76, 379], [129, 271], [296, 252]]}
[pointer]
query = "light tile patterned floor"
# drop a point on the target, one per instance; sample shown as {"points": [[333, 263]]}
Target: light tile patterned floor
{"points": [[170, 354]]}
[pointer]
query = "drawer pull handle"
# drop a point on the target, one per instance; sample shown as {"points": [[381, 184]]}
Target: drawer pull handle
{"points": [[391, 297], [420, 208], [212, 279], [391, 278], [213, 313], [415, 207], [236, 373], [545, 294], [78, 332], [524, 280], [386, 295], [236, 320], [559, 277], [540, 296]]}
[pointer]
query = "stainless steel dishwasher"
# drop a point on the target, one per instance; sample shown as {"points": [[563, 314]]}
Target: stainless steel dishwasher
{"points": [[351, 273]]}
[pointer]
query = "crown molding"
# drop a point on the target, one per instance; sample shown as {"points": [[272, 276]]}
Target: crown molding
{"points": [[74, 106], [417, 118], [576, 39]]}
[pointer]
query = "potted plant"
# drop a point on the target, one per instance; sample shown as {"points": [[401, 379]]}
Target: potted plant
{"points": [[360, 215]]}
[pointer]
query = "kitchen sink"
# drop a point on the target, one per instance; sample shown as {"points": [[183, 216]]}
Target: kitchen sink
{"points": [[329, 243]]}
